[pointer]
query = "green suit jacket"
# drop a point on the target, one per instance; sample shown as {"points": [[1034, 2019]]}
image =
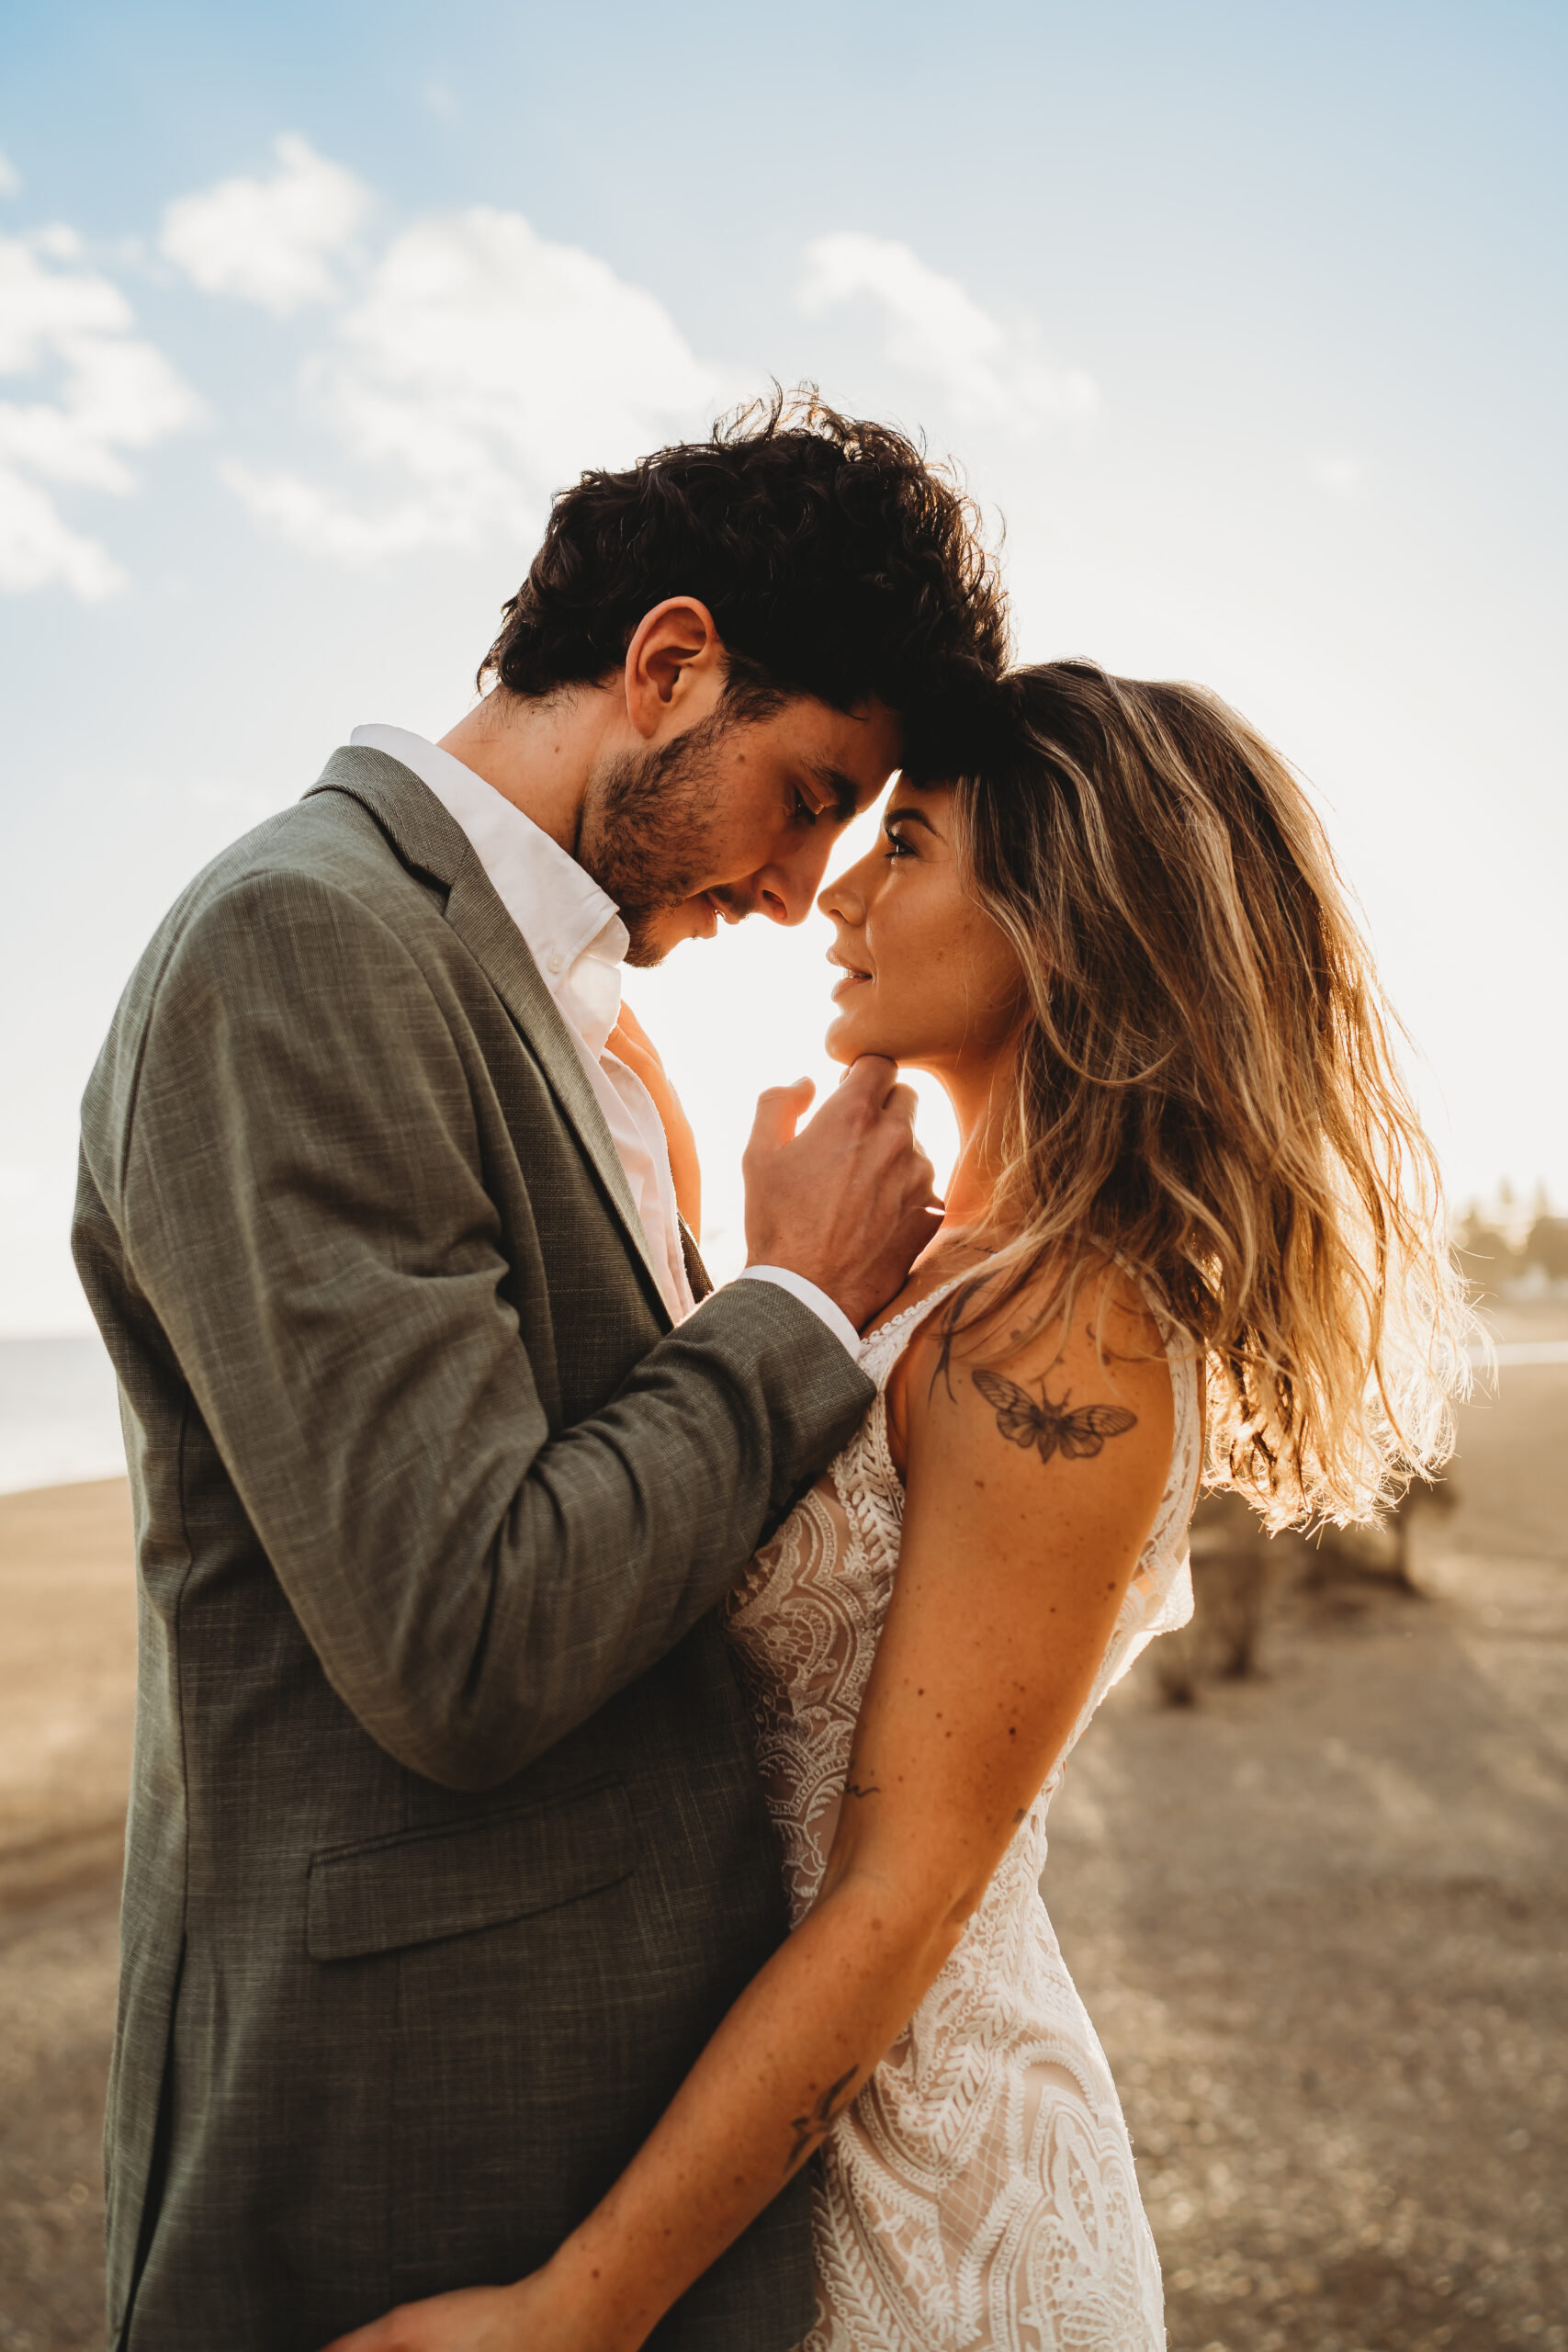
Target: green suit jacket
{"points": [[446, 1850]]}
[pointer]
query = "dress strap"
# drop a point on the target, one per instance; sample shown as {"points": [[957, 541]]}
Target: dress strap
{"points": [[876, 1357]]}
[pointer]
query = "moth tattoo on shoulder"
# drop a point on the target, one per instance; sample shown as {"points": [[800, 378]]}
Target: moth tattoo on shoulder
{"points": [[1077, 1433]]}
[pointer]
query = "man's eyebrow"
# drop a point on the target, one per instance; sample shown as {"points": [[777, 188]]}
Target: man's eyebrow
{"points": [[910, 816], [844, 790]]}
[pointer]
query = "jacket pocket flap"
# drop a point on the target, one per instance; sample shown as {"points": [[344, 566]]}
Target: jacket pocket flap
{"points": [[422, 1885]]}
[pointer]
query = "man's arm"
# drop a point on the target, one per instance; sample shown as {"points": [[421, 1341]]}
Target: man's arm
{"points": [[302, 1204], [1014, 1562]]}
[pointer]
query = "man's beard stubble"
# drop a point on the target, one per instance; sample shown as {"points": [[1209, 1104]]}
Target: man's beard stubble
{"points": [[648, 826]]}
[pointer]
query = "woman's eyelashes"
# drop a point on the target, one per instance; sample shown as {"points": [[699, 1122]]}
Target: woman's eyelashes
{"points": [[897, 846]]}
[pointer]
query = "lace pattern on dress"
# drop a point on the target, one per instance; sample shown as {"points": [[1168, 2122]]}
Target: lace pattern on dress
{"points": [[980, 2196]]}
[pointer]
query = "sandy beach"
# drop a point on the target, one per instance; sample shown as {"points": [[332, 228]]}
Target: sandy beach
{"points": [[1320, 1921], [67, 1692]]}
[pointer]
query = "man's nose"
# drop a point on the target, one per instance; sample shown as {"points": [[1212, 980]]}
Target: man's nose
{"points": [[786, 890]]}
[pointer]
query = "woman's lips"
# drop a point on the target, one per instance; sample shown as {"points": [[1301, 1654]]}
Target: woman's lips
{"points": [[851, 979]]}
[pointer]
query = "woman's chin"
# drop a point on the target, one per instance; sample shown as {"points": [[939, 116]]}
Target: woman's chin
{"points": [[848, 1038]]}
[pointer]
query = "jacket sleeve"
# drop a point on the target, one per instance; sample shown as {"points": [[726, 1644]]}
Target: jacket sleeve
{"points": [[301, 1201]]}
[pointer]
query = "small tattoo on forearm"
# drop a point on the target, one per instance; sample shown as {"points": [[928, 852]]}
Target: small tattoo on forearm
{"points": [[854, 1788], [811, 2127], [1077, 1434]]}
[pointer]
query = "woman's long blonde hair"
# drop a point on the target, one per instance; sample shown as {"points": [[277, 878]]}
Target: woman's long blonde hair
{"points": [[1206, 1087]]}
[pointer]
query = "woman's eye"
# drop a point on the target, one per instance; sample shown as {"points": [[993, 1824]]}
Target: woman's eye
{"points": [[897, 846]]}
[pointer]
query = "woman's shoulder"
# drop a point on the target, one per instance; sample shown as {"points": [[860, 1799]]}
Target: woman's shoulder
{"points": [[1058, 1360]]}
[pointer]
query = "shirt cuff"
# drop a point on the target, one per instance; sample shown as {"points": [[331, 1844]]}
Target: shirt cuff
{"points": [[819, 1303]]}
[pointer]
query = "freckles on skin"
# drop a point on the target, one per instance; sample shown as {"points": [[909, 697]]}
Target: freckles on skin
{"points": [[943, 987]]}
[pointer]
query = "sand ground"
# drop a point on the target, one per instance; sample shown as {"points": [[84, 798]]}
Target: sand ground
{"points": [[67, 1689], [1321, 1921]]}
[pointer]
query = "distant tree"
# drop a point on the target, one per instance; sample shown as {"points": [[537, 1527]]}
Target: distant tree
{"points": [[1486, 1257], [1231, 1559], [1547, 1246], [1239, 1575]]}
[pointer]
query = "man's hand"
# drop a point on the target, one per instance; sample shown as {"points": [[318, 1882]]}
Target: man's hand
{"points": [[848, 1202]]}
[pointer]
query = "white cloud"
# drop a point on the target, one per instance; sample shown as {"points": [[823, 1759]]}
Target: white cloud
{"points": [[10, 177], [38, 547], [990, 372], [269, 241], [324, 524], [483, 368], [112, 392], [1339, 474]]}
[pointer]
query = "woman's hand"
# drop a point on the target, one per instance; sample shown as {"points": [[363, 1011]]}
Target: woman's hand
{"points": [[529, 2317]]}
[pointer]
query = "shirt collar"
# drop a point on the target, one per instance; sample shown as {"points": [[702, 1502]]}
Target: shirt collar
{"points": [[559, 908]]}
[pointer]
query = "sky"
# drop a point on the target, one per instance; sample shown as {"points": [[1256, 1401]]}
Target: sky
{"points": [[1244, 323]]}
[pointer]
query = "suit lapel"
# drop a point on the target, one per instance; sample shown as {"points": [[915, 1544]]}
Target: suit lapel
{"points": [[485, 928], [697, 1274], [427, 838]]}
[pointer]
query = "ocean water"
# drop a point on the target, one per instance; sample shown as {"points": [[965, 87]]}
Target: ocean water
{"points": [[59, 1413]]}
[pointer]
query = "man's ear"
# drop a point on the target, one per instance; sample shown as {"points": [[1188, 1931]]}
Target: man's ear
{"points": [[675, 666]]}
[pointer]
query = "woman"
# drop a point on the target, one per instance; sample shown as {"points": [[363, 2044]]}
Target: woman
{"points": [[1190, 1191]]}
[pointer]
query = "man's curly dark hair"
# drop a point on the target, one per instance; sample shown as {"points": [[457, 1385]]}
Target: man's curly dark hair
{"points": [[836, 561]]}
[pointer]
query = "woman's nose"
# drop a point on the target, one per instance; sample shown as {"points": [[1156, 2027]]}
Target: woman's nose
{"points": [[845, 896]]}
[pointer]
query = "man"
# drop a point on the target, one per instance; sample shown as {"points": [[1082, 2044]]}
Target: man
{"points": [[446, 1848]]}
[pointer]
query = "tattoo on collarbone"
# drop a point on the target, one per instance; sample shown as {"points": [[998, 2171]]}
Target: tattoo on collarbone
{"points": [[946, 1332], [1076, 1433], [943, 1368], [813, 2127]]}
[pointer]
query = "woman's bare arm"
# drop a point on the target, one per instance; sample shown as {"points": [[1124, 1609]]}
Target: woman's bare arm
{"points": [[1033, 1483]]}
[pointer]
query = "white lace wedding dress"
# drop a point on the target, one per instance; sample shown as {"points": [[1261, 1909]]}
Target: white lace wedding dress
{"points": [[979, 2195]]}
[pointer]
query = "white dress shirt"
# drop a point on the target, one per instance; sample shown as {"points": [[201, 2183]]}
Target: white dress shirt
{"points": [[578, 940]]}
